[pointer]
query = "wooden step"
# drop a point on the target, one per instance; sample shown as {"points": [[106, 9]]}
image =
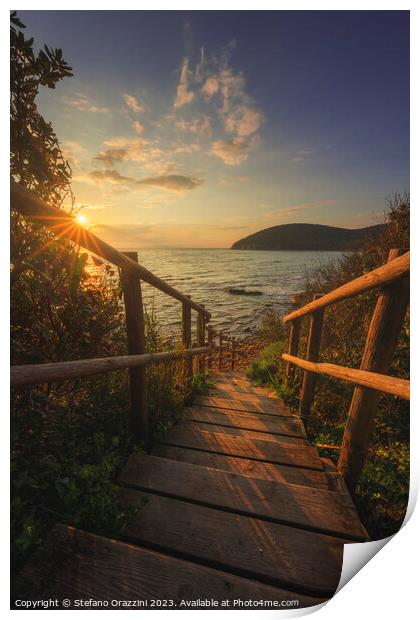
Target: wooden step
{"points": [[275, 554], [245, 467], [289, 426], [245, 433], [268, 406], [72, 564], [256, 449], [294, 505]]}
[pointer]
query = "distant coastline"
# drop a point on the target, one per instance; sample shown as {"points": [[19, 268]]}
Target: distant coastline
{"points": [[308, 237]]}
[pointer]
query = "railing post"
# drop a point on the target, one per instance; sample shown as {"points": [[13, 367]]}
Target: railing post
{"points": [[232, 361], [220, 350], [293, 348], [186, 342], [136, 344], [384, 329], [210, 340], [201, 339], [312, 355]]}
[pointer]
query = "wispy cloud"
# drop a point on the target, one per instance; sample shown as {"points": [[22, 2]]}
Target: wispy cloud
{"points": [[303, 207], [198, 126], [133, 103], [233, 152], [84, 104], [169, 182], [111, 156], [183, 95]]}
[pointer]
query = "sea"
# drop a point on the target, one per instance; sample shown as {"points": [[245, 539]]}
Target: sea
{"points": [[208, 274]]}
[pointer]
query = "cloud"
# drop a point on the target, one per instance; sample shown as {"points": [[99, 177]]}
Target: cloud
{"points": [[133, 103], [211, 86], [134, 148], [303, 207], [111, 176], [138, 127], [111, 156], [170, 182], [183, 95], [233, 152], [243, 120], [85, 105], [198, 126]]}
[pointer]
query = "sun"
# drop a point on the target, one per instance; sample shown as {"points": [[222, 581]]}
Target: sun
{"points": [[81, 219]]}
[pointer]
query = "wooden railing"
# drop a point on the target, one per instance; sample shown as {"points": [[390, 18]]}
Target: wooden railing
{"points": [[131, 274], [371, 378]]}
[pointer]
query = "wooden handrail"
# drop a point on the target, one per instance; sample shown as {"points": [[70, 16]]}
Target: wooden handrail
{"points": [[65, 225], [373, 380], [391, 271], [31, 374]]}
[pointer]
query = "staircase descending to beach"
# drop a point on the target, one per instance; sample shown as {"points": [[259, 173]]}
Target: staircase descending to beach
{"points": [[233, 504]]}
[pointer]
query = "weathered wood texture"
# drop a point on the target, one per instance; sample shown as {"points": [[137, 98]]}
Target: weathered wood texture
{"points": [[294, 505], [373, 380], [136, 345], [268, 406], [276, 554], [220, 350], [254, 449], [384, 329], [293, 347], [201, 339], [382, 276], [31, 374], [232, 354], [240, 432], [312, 355], [186, 342], [248, 421], [65, 225], [72, 564], [244, 467]]}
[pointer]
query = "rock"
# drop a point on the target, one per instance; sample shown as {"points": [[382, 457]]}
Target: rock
{"points": [[242, 291]]}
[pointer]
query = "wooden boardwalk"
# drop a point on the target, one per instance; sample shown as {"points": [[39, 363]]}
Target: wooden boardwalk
{"points": [[234, 503]]}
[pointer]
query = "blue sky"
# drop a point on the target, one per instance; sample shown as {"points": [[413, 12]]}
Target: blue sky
{"points": [[194, 129]]}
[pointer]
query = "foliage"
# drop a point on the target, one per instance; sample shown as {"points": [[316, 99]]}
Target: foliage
{"points": [[69, 440], [382, 492]]}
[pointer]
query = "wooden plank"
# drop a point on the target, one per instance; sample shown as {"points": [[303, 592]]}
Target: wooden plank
{"points": [[373, 380], [269, 406], [293, 347], [186, 343], [236, 382], [312, 355], [245, 467], [275, 554], [252, 422], [72, 564], [382, 276], [136, 345], [298, 506], [245, 433], [381, 341], [31, 374], [259, 450]]}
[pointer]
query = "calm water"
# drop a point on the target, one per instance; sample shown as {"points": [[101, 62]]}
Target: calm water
{"points": [[206, 274]]}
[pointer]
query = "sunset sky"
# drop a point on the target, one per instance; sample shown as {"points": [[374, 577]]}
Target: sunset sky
{"points": [[194, 129]]}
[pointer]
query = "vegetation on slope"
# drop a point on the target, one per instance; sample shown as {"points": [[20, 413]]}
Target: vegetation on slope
{"points": [[68, 440], [307, 237], [383, 489]]}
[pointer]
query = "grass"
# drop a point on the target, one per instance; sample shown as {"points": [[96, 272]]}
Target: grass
{"points": [[382, 493], [69, 443]]}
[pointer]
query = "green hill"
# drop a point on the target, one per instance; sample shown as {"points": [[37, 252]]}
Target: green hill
{"points": [[307, 237]]}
